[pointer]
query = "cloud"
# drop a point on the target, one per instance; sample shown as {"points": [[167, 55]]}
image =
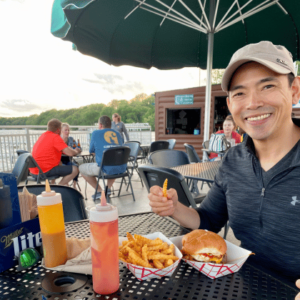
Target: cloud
{"points": [[19, 105], [116, 84]]}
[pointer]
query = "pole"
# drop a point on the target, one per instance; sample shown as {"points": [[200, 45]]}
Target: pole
{"points": [[210, 49]]}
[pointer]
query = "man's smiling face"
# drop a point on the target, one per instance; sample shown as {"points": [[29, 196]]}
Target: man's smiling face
{"points": [[260, 101]]}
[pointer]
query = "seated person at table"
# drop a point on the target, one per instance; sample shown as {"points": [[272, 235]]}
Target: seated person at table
{"points": [[257, 185], [65, 132], [230, 133], [47, 152], [101, 140]]}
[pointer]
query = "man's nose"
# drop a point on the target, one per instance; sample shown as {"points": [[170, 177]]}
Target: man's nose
{"points": [[254, 101]]}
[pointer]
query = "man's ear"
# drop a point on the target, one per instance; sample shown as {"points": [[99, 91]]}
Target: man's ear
{"points": [[296, 90], [228, 103]]}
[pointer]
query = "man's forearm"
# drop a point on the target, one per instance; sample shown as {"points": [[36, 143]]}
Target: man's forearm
{"points": [[187, 216]]}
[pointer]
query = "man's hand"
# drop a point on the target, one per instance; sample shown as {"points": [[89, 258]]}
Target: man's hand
{"points": [[161, 205], [78, 150], [298, 286]]}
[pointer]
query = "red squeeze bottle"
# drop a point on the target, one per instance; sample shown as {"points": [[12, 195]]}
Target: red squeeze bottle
{"points": [[105, 247]]}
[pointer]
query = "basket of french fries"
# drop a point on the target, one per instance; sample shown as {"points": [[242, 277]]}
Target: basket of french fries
{"points": [[149, 256]]}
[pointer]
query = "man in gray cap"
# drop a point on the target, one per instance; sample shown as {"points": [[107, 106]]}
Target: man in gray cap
{"points": [[257, 186]]}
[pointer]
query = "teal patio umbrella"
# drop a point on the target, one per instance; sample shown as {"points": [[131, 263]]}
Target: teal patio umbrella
{"points": [[172, 34]]}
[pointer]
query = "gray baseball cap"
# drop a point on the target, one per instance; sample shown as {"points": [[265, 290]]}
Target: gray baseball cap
{"points": [[275, 57]]}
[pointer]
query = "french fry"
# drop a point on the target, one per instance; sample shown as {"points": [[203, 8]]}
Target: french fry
{"points": [[129, 237], [165, 188], [141, 251], [158, 264], [162, 256], [168, 263]]}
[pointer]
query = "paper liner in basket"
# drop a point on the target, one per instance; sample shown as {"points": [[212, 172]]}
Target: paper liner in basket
{"points": [[236, 256], [142, 273]]}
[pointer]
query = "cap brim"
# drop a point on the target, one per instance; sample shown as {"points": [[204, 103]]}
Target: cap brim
{"points": [[230, 71]]}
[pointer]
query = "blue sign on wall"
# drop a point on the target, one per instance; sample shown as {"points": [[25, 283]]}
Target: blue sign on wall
{"points": [[184, 99]]}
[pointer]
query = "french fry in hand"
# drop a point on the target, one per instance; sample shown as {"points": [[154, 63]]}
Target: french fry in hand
{"points": [[141, 251], [165, 186]]}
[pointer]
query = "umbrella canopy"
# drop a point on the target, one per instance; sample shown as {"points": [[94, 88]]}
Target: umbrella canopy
{"points": [[172, 34]]}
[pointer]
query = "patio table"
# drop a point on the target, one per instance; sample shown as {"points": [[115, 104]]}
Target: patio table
{"points": [[185, 283], [204, 171]]}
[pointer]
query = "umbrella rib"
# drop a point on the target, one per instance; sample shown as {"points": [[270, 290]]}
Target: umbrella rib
{"points": [[239, 7], [204, 14], [178, 13], [215, 15], [228, 11], [239, 10], [248, 14], [167, 13], [184, 18], [277, 2], [198, 28], [134, 9]]}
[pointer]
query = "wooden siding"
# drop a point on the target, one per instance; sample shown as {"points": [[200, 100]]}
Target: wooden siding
{"points": [[165, 100]]}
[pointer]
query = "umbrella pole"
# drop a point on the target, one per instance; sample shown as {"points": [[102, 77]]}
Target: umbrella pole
{"points": [[210, 50], [208, 85]]}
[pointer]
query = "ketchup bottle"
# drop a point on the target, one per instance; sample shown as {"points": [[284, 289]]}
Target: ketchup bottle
{"points": [[51, 217], [105, 247]]}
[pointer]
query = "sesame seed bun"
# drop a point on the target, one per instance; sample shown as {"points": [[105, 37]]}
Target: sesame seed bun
{"points": [[199, 242]]}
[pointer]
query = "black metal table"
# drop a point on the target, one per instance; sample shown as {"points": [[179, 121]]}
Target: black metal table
{"points": [[86, 157], [204, 171], [185, 283]]}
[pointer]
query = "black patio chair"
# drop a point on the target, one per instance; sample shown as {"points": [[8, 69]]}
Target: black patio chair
{"points": [[41, 176], [72, 200], [158, 145], [172, 143], [132, 161], [20, 152], [174, 158], [115, 157], [192, 154], [154, 175], [168, 158], [20, 170]]}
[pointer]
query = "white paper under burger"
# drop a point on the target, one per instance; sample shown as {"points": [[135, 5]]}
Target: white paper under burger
{"points": [[236, 256], [105, 213], [142, 273], [48, 198]]}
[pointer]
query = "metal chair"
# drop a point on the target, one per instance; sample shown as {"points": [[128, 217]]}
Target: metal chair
{"points": [[192, 154], [72, 200], [154, 175], [20, 170], [168, 158], [20, 152], [172, 143], [41, 175], [174, 158], [114, 157], [132, 161], [158, 145]]}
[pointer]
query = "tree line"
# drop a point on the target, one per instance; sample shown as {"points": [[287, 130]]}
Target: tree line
{"points": [[140, 109]]}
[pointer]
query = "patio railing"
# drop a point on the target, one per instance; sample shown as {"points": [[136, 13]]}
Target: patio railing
{"points": [[23, 137]]}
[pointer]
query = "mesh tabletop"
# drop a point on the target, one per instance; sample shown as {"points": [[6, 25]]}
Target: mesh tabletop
{"points": [[205, 171], [186, 282]]}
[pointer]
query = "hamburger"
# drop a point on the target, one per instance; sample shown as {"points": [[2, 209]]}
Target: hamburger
{"points": [[204, 246]]}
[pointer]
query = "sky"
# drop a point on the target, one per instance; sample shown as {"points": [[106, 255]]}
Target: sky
{"points": [[39, 72]]}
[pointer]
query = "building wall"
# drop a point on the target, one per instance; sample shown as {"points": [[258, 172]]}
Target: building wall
{"points": [[164, 100]]}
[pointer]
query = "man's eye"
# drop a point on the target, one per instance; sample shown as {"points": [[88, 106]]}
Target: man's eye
{"points": [[269, 86], [238, 94]]}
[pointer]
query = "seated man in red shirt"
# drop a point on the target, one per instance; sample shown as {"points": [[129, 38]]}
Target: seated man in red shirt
{"points": [[47, 152]]}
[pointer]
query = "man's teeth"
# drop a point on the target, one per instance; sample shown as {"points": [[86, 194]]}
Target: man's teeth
{"points": [[259, 117]]}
